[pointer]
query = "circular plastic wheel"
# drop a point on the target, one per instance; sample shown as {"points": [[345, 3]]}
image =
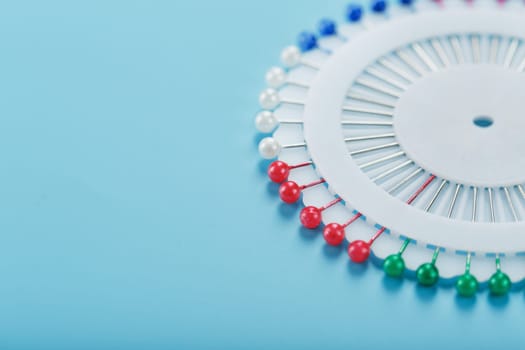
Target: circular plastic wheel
{"points": [[402, 130]]}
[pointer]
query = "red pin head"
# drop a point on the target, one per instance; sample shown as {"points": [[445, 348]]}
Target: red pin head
{"points": [[290, 192], [359, 251], [278, 171], [334, 234], [311, 217]]}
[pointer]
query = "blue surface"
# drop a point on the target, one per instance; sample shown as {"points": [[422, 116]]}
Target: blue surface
{"points": [[133, 208]]}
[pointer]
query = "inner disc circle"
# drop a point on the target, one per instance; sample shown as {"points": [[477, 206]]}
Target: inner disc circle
{"points": [[434, 125]]}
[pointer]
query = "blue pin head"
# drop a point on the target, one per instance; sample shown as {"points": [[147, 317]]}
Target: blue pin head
{"points": [[327, 27], [379, 6], [354, 12], [406, 2], [306, 41]]}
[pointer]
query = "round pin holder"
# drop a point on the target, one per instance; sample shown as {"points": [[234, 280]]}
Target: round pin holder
{"points": [[401, 130]]}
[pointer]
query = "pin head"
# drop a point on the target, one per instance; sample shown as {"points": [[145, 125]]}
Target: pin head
{"points": [[327, 27], [354, 12], [359, 251], [306, 41], [269, 148], [427, 275], [275, 77], [406, 2], [311, 217], [265, 122], [394, 265], [499, 284], [334, 234], [467, 285], [379, 6], [291, 56], [290, 192], [269, 99], [278, 171]]}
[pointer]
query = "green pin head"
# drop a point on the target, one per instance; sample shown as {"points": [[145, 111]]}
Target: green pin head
{"points": [[499, 284], [394, 265], [427, 275], [467, 285]]}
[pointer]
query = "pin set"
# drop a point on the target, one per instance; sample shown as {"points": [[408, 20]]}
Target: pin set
{"points": [[399, 129]]}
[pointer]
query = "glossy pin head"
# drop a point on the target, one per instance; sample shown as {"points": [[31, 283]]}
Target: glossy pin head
{"points": [[427, 275], [394, 265], [379, 6], [327, 27], [279, 171], [354, 12], [467, 285], [306, 41], [311, 217], [291, 56], [269, 99], [266, 122], [499, 284], [290, 191], [275, 77], [359, 251], [334, 234], [269, 148]]}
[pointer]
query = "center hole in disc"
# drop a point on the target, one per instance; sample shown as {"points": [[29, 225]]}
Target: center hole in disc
{"points": [[483, 121]]}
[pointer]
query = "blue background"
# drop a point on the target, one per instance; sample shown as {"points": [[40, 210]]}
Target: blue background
{"points": [[134, 211]]}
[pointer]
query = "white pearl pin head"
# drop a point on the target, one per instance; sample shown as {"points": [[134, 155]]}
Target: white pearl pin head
{"points": [[269, 148], [266, 122], [275, 77], [269, 99], [291, 56]]}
